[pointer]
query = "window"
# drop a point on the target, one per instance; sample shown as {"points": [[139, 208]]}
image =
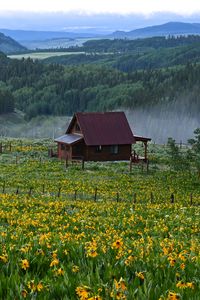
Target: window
{"points": [[77, 128], [114, 149], [98, 148], [64, 147]]}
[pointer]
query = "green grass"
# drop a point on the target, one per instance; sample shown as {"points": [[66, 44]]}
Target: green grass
{"points": [[42, 55]]}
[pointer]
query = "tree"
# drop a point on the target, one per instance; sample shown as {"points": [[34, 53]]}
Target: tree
{"points": [[176, 157], [195, 151], [6, 101]]}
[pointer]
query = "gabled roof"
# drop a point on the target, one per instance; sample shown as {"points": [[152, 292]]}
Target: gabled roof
{"points": [[69, 139], [108, 128]]}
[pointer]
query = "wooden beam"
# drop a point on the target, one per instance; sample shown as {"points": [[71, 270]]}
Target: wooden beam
{"points": [[145, 151]]}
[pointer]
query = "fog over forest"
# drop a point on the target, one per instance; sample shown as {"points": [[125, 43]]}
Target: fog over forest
{"points": [[158, 123], [177, 120]]}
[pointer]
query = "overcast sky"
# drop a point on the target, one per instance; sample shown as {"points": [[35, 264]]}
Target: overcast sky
{"points": [[185, 7]]}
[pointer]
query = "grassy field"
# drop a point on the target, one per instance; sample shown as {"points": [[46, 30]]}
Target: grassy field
{"points": [[99, 233], [42, 55]]}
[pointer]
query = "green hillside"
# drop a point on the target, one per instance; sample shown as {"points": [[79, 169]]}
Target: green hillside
{"points": [[8, 45], [129, 55]]}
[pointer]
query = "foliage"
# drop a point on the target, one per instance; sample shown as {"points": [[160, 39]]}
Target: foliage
{"points": [[177, 159], [195, 143], [6, 100]]}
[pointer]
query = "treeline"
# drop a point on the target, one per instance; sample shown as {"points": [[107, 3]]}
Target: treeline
{"points": [[150, 58], [126, 45], [119, 45]]}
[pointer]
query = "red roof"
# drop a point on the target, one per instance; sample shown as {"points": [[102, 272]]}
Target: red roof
{"points": [[108, 128]]}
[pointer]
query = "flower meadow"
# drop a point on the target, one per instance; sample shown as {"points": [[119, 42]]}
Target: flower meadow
{"points": [[99, 233]]}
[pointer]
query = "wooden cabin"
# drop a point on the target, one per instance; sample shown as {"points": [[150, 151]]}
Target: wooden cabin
{"points": [[98, 136]]}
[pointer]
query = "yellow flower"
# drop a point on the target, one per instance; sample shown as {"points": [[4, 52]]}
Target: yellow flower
{"points": [[82, 292], [117, 284], [24, 293], [92, 253], [183, 285], [54, 262], [122, 284], [31, 285], [129, 259], [140, 275], [95, 298], [25, 264], [60, 272], [40, 286], [190, 285], [173, 296], [75, 269], [4, 258], [182, 266], [117, 244]]}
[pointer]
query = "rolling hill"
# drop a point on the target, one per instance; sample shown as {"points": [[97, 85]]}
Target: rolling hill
{"points": [[56, 39], [8, 45], [33, 39], [170, 28]]}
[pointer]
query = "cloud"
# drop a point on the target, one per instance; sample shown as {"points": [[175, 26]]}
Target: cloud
{"points": [[103, 6]]}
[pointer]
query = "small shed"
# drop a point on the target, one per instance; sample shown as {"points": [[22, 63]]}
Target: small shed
{"points": [[98, 136]]}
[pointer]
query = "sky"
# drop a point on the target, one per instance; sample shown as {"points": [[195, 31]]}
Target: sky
{"points": [[146, 7], [101, 16]]}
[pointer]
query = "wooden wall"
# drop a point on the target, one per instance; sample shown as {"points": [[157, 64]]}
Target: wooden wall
{"points": [[89, 153], [124, 153]]}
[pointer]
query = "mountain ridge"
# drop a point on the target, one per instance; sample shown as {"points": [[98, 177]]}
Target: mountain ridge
{"points": [[33, 39], [169, 28], [9, 45]]}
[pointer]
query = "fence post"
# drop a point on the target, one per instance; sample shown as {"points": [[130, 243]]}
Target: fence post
{"points": [[172, 198], [147, 165], [134, 198], [10, 147], [83, 164], [151, 196], [59, 191], [4, 187], [66, 162], [117, 197], [17, 191], [130, 164], [191, 199], [30, 191], [43, 188], [1, 148], [95, 194], [75, 195]]}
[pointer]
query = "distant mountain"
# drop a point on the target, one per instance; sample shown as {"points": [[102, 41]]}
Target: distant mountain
{"points": [[8, 45], [31, 35], [48, 39], [170, 28]]}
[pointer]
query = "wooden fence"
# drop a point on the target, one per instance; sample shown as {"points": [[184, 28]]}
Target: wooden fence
{"points": [[60, 192]]}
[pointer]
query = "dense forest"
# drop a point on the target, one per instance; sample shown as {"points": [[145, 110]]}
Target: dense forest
{"points": [[129, 55], [37, 88]]}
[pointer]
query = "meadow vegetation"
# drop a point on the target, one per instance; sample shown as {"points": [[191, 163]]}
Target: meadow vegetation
{"points": [[99, 233]]}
